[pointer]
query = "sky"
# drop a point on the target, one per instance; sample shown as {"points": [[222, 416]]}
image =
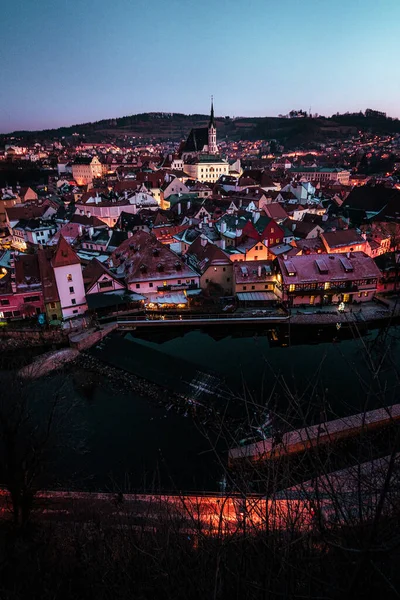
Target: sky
{"points": [[64, 62]]}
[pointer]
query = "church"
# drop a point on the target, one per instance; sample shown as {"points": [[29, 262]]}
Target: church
{"points": [[200, 153]]}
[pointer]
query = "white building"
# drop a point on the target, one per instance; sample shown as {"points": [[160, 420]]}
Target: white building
{"points": [[69, 280]]}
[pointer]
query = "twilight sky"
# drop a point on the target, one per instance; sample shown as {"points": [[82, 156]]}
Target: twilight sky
{"points": [[64, 62]]}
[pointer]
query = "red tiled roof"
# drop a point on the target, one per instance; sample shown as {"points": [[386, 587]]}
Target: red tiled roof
{"points": [[93, 271], [306, 269], [64, 255], [345, 237], [49, 287], [142, 257]]}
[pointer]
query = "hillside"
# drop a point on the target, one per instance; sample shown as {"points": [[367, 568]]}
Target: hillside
{"points": [[293, 132]]}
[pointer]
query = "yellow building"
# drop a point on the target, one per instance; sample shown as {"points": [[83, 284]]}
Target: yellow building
{"points": [[85, 169], [206, 167]]}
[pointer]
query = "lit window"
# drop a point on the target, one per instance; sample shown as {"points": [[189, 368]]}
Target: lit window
{"points": [[69, 277], [327, 285], [292, 287]]}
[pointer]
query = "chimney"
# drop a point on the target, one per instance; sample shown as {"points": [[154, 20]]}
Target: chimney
{"points": [[188, 205], [110, 232], [259, 269], [223, 227], [203, 241], [256, 216], [88, 214], [80, 230], [130, 234], [179, 208], [126, 195], [91, 232], [285, 257], [293, 226]]}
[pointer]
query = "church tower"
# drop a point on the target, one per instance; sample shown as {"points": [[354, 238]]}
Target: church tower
{"points": [[212, 132]]}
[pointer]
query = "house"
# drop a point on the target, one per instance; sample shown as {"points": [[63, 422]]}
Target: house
{"points": [[303, 229], [130, 222], [27, 194], [327, 279], [249, 250], [109, 208], [51, 298], [153, 270], [321, 174], [85, 169], [262, 228], [98, 278], [21, 288], [213, 265], [184, 239], [389, 266], [254, 283], [69, 280], [33, 232], [346, 240]]}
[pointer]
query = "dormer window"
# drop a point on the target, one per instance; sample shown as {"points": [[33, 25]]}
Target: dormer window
{"points": [[160, 267]]}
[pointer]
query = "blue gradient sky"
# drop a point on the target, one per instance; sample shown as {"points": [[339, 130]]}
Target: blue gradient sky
{"points": [[69, 61]]}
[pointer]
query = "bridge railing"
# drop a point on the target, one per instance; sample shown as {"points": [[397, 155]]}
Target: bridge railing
{"points": [[198, 317]]}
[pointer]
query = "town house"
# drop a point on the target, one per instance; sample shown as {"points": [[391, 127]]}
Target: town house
{"points": [[150, 268], [254, 283], [327, 279]]}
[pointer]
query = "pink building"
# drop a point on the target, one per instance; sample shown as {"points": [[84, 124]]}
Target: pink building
{"points": [[327, 279]]}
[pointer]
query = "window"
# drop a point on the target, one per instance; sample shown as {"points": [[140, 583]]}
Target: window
{"points": [[4, 302], [54, 317], [105, 284], [272, 230], [271, 240], [151, 284], [228, 279], [327, 285], [256, 258], [253, 287], [75, 311], [28, 299], [52, 304], [292, 287], [137, 286], [73, 301], [223, 268], [69, 277], [244, 287], [71, 290], [207, 280], [277, 240]]}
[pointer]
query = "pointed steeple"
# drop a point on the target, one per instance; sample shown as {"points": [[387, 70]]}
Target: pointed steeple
{"points": [[212, 119]]}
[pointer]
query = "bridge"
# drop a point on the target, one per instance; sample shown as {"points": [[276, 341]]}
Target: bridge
{"points": [[167, 320]]}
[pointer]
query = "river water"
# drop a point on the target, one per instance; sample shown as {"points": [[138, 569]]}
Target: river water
{"points": [[135, 444]]}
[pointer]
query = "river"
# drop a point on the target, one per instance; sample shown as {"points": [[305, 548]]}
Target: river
{"points": [[133, 443]]}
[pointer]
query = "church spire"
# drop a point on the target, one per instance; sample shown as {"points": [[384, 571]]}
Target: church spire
{"points": [[212, 119]]}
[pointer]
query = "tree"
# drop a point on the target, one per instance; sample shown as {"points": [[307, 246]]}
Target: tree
{"points": [[35, 425]]}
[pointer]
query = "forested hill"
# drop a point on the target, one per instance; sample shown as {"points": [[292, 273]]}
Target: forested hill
{"points": [[298, 131]]}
